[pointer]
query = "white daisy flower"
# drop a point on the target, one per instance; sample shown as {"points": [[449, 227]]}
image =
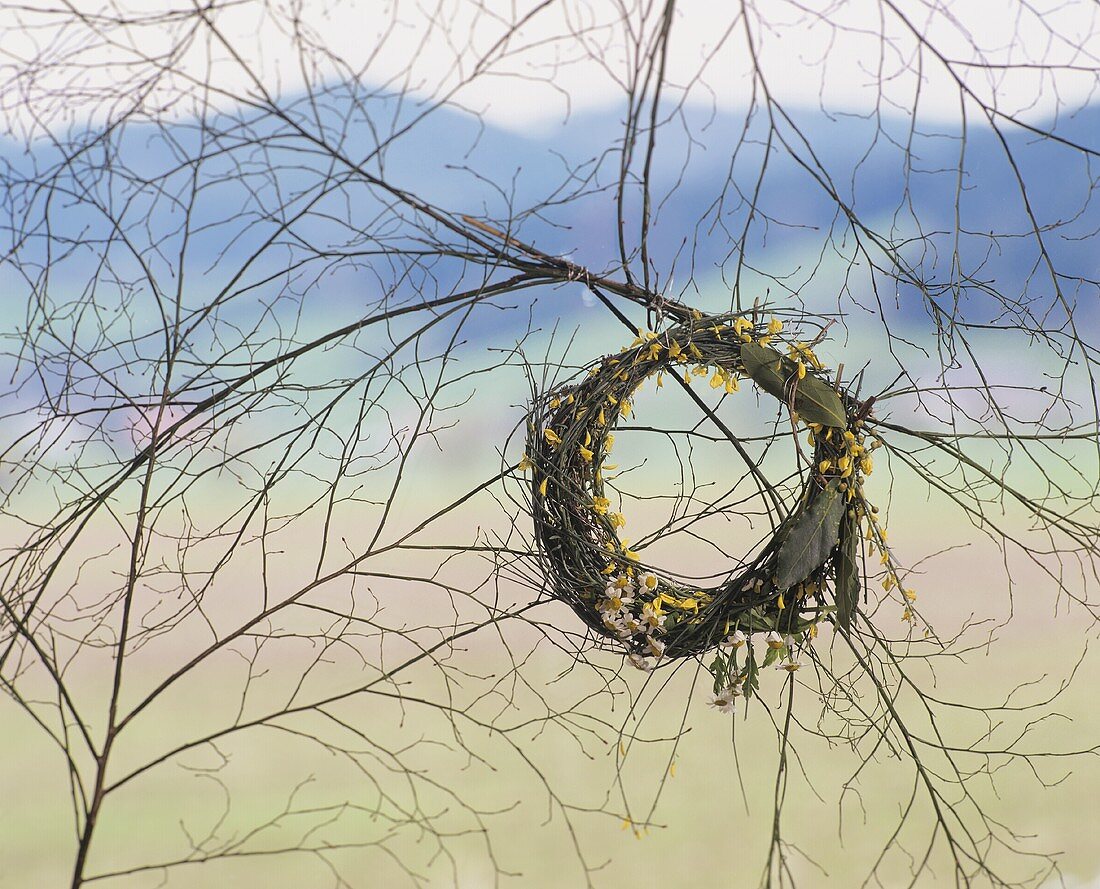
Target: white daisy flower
{"points": [[656, 646], [625, 593], [640, 662], [735, 640], [774, 640], [790, 666], [725, 700], [652, 618], [621, 582], [633, 624], [616, 601], [648, 581]]}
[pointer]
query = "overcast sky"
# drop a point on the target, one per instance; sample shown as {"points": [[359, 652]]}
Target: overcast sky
{"points": [[566, 55]]}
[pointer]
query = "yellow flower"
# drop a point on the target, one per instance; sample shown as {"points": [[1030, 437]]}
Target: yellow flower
{"points": [[801, 371], [609, 443], [601, 419], [600, 505], [732, 385], [843, 463], [586, 454], [542, 487], [674, 351], [660, 380], [910, 595], [618, 520], [524, 464], [624, 408], [688, 604], [741, 325], [824, 466], [716, 380], [555, 403], [867, 465], [552, 437], [764, 340], [774, 326]]}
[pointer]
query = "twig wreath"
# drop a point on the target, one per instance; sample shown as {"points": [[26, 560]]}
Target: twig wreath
{"points": [[808, 570]]}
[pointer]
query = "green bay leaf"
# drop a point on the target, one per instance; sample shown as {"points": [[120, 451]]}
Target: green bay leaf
{"points": [[765, 367], [847, 574], [814, 399], [812, 536]]}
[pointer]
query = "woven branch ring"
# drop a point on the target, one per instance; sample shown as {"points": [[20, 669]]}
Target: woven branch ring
{"points": [[804, 573]]}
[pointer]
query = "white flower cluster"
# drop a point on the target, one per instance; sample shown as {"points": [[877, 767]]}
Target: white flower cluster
{"points": [[725, 698], [628, 617]]}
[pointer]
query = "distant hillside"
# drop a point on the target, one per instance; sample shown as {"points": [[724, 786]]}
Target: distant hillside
{"points": [[459, 163]]}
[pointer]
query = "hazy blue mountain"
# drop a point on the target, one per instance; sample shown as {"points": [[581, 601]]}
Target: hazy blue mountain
{"points": [[462, 164]]}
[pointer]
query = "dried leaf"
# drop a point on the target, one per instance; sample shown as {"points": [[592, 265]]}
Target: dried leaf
{"points": [[812, 537], [815, 400]]}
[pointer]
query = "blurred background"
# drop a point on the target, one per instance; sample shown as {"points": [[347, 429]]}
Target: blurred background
{"points": [[238, 186]]}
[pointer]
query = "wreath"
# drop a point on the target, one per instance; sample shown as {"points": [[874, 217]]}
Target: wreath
{"points": [[805, 573]]}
